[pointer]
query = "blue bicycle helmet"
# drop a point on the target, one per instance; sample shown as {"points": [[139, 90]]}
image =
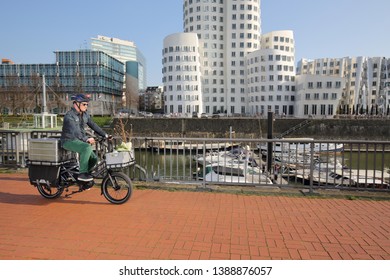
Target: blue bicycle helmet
{"points": [[80, 98]]}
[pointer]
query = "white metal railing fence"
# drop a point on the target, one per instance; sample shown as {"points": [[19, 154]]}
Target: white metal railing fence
{"points": [[273, 163]]}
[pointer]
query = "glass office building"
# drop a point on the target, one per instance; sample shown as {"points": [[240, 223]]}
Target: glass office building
{"points": [[84, 71], [125, 51]]}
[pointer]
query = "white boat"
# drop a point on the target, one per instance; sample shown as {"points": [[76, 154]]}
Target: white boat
{"points": [[300, 146], [292, 163], [235, 166], [294, 160], [219, 174], [341, 177], [183, 146], [234, 156]]}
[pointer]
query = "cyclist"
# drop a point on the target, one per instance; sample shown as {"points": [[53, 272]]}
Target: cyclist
{"points": [[74, 137]]}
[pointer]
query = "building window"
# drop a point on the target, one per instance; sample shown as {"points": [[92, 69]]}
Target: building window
{"points": [[323, 109], [306, 109], [330, 109], [314, 109]]}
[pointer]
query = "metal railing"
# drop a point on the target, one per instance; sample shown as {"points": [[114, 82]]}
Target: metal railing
{"points": [[300, 162], [272, 163]]}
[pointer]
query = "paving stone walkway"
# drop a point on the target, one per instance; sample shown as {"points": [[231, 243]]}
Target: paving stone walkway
{"points": [[183, 225]]}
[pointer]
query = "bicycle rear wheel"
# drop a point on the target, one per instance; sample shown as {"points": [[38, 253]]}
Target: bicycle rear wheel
{"points": [[49, 191], [117, 187]]}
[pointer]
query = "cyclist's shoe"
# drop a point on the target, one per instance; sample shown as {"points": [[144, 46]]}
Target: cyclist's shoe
{"points": [[85, 177], [87, 185]]}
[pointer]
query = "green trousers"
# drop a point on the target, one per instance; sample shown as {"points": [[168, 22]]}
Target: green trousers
{"points": [[88, 159]]}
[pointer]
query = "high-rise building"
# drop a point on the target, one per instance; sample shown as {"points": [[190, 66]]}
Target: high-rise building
{"points": [[124, 51], [227, 32]]}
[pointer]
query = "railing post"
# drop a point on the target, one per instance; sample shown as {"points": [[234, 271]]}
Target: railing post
{"points": [[204, 164], [311, 166], [17, 142], [269, 144]]}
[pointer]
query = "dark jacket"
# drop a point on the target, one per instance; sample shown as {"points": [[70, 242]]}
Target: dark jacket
{"points": [[74, 126]]}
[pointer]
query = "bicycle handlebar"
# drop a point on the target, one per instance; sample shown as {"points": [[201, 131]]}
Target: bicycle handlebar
{"points": [[105, 142]]}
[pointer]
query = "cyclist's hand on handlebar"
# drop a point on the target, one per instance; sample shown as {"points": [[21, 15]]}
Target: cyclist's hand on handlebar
{"points": [[109, 137], [91, 140]]}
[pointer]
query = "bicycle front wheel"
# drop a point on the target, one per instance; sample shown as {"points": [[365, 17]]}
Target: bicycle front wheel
{"points": [[117, 187]]}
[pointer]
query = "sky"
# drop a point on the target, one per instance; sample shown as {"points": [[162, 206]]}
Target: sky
{"points": [[31, 30]]}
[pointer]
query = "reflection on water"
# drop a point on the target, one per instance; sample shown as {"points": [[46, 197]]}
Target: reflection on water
{"points": [[366, 160], [168, 165]]}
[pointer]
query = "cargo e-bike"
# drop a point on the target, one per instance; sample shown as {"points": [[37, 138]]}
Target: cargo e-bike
{"points": [[52, 176]]}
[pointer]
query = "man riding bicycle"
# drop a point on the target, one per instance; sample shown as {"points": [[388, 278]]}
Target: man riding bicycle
{"points": [[74, 137]]}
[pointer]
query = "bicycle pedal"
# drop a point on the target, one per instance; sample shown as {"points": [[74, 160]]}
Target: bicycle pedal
{"points": [[87, 186]]}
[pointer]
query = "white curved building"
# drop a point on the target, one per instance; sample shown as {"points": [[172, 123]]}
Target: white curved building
{"points": [[271, 75], [227, 32], [182, 74]]}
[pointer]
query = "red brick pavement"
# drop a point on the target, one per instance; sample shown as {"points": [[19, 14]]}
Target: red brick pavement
{"points": [[158, 224]]}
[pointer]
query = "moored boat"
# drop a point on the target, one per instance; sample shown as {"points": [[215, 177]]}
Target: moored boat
{"points": [[339, 177], [183, 146], [301, 146], [220, 174]]}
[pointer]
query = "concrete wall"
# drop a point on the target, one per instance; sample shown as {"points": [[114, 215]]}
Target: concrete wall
{"points": [[334, 129]]}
